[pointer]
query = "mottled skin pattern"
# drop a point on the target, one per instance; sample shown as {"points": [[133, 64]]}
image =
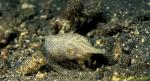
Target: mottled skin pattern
{"points": [[72, 9], [69, 17], [69, 47], [2, 36]]}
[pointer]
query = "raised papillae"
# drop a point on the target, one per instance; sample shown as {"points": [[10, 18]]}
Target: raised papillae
{"points": [[69, 46]]}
